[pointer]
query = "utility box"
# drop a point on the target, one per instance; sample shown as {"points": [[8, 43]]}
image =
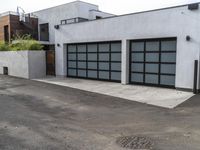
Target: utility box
{"points": [[5, 70]]}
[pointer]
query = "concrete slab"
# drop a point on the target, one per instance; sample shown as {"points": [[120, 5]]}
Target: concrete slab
{"points": [[162, 97]]}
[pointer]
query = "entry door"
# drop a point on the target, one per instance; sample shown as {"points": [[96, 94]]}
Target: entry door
{"points": [[99, 61], [50, 62], [153, 62]]}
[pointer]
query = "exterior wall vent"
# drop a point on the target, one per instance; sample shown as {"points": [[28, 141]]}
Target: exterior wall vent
{"points": [[193, 6]]}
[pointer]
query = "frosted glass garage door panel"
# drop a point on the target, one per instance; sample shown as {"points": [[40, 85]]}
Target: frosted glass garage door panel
{"points": [[103, 66], [152, 79], [92, 47], [116, 57], [71, 56], [137, 57], [168, 68], [168, 57], [81, 48], [116, 76], [104, 48], [82, 73], [92, 65], [152, 68], [152, 46], [137, 77], [82, 65], [152, 57], [168, 46], [104, 57], [167, 80], [104, 75], [137, 67], [81, 56], [72, 64], [92, 57], [92, 74], [116, 47], [137, 46], [72, 72], [116, 66], [71, 48]]}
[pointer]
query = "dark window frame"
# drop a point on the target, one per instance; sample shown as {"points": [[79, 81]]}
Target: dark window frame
{"points": [[110, 71], [44, 33], [144, 73]]}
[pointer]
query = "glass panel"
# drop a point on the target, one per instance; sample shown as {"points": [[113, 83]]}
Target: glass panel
{"points": [[81, 56], [116, 57], [81, 48], [71, 48], [116, 66], [168, 68], [82, 73], [92, 57], [103, 47], [116, 47], [103, 74], [167, 80], [104, 57], [116, 76], [92, 47], [72, 64], [72, 56], [152, 57], [168, 46], [137, 46], [92, 65], [168, 57], [152, 79], [103, 66], [137, 77], [71, 72], [151, 68], [92, 74], [138, 57], [137, 67], [152, 46], [82, 65]]}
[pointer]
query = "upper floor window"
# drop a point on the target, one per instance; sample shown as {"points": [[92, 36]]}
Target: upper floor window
{"points": [[44, 32]]}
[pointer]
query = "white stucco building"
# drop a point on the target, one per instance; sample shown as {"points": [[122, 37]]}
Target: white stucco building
{"points": [[155, 47]]}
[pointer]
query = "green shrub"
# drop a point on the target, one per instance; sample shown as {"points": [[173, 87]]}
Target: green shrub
{"points": [[4, 46], [25, 43]]}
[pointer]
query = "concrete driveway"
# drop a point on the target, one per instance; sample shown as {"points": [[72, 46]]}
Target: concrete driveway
{"points": [[163, 97], [41, 116]]}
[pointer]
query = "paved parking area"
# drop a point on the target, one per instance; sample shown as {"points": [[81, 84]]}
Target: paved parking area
{"points": [[41, 116], [163, 97]]}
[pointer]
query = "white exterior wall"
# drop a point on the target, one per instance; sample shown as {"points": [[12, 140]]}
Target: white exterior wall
{"points": [[174, 22], [54, 15], [24, 64]]}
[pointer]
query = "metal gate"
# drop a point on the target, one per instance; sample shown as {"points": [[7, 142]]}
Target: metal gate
{"points": [[153, 62], [99, 61]]}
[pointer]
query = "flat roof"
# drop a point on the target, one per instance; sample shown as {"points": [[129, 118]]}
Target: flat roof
{"points": [[140, 12]]}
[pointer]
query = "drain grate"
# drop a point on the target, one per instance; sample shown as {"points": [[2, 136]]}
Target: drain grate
{"points": [[135, 142]]}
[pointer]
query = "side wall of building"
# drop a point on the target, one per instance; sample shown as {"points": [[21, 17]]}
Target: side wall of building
{"points": [[176, 22], [4, 21]]}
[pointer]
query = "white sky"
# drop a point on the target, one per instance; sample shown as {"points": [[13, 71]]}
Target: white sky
{"points": [[112, 6]]}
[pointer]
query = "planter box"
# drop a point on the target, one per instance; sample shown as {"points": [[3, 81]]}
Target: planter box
{"points": [[24, 64]]}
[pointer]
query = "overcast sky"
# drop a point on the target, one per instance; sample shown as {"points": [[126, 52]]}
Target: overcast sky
{"points": [[112, 6]]}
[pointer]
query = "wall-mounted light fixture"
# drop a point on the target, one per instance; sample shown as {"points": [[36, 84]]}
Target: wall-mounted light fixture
{"points": [[58, 45], [56, 27], [188, 38]]}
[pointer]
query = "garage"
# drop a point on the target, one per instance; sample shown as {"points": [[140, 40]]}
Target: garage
{"points": [[153, 62], [99, 61]]}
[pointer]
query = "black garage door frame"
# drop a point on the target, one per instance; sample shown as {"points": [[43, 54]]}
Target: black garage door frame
{"points": [[159, 63], [110, 61]]}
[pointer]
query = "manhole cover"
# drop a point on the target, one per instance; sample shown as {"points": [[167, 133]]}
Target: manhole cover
{"points": [[135, 142]]}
